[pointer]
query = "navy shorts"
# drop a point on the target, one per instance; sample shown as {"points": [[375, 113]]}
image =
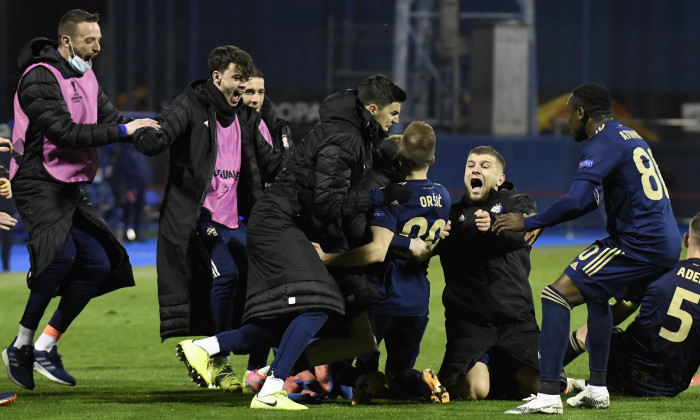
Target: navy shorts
{"points": [[608, 268]]}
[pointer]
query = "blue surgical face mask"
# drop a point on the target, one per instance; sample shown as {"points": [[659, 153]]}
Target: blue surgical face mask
{"points": [[77, 63]]}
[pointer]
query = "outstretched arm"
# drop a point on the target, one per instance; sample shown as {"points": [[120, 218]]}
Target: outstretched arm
{"points": [[581, 199], [373, 252]]}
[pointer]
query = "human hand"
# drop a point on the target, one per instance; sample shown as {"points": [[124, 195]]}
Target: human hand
{"points": [[5, 145], [5, 188], [134, 125], [6, 221], [509, 221], [419, 249], [445, 232], [531, 237], [322, 255], [483, 220]]}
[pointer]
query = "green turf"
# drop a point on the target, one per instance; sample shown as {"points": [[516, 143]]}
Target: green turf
{"points": [[124, 371]]}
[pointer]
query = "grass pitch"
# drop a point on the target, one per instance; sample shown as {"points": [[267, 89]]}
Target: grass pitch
{"points": [[124, 371]]}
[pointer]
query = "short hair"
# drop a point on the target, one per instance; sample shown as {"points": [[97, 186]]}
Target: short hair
{"points": [[221, 57], [488, 150], [379, 90], [396, 139], [694, 230], [595, 99], [70, 20], [417, 147], [256, 72]]}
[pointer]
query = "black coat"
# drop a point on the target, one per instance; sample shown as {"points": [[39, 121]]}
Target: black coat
{"points": [[48, 207], [188, 130], [486, 276], [279, 129], [314, 191]]}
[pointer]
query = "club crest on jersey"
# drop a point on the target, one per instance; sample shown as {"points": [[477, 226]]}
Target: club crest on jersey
{"points": [[211, 231], [497, 208], [587, 163]]}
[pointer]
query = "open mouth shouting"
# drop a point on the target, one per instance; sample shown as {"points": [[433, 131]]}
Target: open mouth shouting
{"points": [[476, 186]]}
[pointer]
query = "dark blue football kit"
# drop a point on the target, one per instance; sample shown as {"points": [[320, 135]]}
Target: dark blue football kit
{"points": [[657, 355], [617, 170], [401, 316]]}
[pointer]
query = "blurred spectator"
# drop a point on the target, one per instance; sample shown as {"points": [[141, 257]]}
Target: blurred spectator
{"points": [[130, 176], [102, 197]]}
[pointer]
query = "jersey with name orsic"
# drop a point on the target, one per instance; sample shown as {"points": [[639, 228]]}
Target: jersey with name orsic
{"points": [[663, 343], [403, 280], [635, 196]]}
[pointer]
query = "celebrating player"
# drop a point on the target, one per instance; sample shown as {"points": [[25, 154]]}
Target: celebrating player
{"points": [[492, 332], [643, 244], [61, 115], [657, 354], [400, 318]]}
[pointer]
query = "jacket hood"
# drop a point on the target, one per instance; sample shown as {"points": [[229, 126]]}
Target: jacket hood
{"points": [[43, 50], [344, 107]]}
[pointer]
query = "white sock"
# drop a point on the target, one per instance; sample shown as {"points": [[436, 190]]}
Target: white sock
{"points": [[548, 397], [272, 384], [45, 342], [210, 344], [25, 337], [596, 389]]}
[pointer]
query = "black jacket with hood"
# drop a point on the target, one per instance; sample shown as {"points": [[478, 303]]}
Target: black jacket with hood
{"points": [[315, 190], [188, 130], [486, 275], [279, 129], [48, 207]]}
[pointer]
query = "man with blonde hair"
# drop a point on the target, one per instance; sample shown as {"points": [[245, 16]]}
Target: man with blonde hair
{"points": [[400, 318]]}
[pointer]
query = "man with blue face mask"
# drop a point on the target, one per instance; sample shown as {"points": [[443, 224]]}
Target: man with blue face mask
{"points": [[61, 116]]}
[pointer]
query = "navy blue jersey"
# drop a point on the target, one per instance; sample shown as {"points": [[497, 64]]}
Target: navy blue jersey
{"points": [[636, 200], [403, 280], [661, 344]]}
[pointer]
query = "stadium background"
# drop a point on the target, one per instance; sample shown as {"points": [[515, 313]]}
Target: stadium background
{"points": [[646, 51]]}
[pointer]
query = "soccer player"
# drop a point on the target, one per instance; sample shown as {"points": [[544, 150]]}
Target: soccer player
{"points": [[492, 332], [657, 354], [290, 294], [400, 318], [642, 245], [275, 130], [219, 164], [61, 116]]}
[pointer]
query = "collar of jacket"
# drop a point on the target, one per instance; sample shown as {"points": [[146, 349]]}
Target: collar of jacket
{"points": [[44, 50]]}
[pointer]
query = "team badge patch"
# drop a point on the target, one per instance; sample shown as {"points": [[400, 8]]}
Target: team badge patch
{"points": [[585, 163], [497, 208], [211, 231]]}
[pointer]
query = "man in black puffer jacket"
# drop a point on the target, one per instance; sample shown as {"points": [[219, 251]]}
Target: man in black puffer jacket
{"points": [[492, 333], [290, 294]]}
